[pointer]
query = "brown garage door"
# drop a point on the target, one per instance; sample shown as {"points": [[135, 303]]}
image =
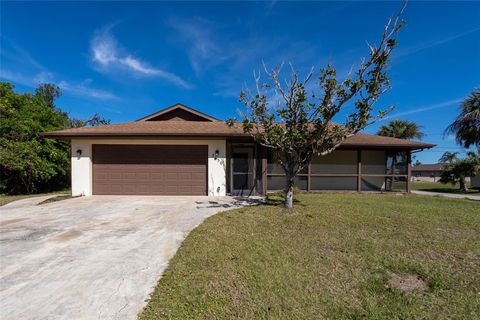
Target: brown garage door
{"points": [[150, 169]]}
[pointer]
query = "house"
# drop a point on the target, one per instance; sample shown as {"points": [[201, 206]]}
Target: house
{"points": [[427, 172], [475, 182], [181, 151]]}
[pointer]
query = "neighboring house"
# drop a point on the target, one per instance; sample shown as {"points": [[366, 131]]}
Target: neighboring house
{"points": [[475, 182], [181, 151], [428, 172]]}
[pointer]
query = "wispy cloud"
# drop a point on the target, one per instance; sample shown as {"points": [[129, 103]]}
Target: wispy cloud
{"points": [[425, 108], [401, 52], [81, 89], [198, 34], [34, 73], [229, 58], [11, 51], [108, 55]]}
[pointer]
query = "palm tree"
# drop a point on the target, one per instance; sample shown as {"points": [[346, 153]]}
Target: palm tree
{"points": [[466, 126], [459, 169], [448, 157], [402, 129]]}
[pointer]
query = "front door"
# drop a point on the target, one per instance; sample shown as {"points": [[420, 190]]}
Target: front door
{"points": [[243, 170]]}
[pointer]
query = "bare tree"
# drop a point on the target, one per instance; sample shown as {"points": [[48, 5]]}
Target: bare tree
{"points": [[300, 125]]}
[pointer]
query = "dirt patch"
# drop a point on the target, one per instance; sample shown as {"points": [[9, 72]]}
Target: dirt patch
{"points": [[5, 222], [408, 282], [72, 234], [125, 220], [57, 198]]}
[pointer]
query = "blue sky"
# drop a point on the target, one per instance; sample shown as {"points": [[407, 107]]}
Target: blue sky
{"points": [[125, 60]]}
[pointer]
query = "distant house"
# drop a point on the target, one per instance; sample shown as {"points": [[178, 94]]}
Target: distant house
{"points": [[475, 182], [427, 172]]}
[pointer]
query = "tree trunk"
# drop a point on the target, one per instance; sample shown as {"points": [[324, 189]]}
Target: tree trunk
{"points": [[463, 184], [289, 191]]}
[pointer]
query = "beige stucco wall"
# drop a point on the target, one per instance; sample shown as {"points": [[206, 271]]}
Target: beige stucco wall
{"points": [[82, 166]]}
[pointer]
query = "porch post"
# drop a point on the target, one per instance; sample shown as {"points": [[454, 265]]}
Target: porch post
{"points": [[359, 170], [394, 160], [309, 178], [409, 171], [264, 171]]}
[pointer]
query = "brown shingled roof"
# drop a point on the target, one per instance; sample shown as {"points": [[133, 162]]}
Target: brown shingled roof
{"points": [[208, 129], [363, 139]]}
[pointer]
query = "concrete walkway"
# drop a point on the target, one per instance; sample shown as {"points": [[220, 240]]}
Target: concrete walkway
{"points": [[93, 257], [447, 195]]}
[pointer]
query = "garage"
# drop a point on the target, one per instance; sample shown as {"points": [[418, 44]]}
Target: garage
{"points": [[149, 169]]}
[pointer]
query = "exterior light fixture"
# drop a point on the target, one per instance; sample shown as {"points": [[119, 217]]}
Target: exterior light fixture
{"points": [[79, 152], [215, 156]]}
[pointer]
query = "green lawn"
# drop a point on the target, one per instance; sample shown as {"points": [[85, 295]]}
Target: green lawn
{"points": [[333, 256], [4, 199], [440, 187]]}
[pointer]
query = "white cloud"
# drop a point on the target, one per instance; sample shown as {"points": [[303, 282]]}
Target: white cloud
{"points": [[432, 43], [16, 77], [82, 89], [40, 74], [44, 77], [197, 33], [209, 45], [425, 108], [108, 55], [12, 52]]}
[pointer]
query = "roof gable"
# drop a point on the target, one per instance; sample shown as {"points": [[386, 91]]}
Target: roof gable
{"points": [[178, 112]]}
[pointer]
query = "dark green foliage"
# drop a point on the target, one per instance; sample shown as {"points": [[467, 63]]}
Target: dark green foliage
{"points": [[95, 120], [448, 157], [466, 126], [47, 93], [30, 163], [402, 129], [459, 169]]}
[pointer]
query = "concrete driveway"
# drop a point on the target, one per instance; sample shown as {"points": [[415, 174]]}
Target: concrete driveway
{"points": [[94, 257]]}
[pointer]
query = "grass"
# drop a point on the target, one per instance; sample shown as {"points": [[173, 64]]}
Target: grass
{"points": [[440, 187], [4, 199], [332, 256]]}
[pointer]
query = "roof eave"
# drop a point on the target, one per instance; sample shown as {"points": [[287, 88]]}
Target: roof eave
{"points": [[69, 136]]}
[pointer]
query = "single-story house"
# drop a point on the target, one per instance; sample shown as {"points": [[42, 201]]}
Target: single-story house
{"points": [[475, 182], [181, 151], [428, 172]]}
